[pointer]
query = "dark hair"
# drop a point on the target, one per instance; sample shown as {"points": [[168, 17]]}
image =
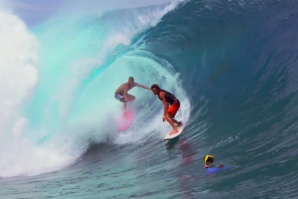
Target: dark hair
{"points": [[131, 78], [155, 86]]}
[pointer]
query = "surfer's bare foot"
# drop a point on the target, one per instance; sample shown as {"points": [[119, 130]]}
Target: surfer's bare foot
{"points": [[174, 131], [179, 124], [124, 106]]}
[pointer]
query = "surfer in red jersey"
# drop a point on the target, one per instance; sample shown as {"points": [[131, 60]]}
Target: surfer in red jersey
{"points": [[167, 99], [121, 92]]}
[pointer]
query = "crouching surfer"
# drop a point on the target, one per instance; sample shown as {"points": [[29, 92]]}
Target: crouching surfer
{"points": [[121, 93]]}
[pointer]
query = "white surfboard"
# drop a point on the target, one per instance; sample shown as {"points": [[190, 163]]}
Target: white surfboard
{"points": [[168, 136]]}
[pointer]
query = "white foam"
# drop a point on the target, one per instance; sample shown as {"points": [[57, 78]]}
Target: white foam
{"points": [[152, 17], [18, 74]]}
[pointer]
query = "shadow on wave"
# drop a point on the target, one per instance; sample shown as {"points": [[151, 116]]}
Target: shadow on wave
{"points": [[96, 153]]}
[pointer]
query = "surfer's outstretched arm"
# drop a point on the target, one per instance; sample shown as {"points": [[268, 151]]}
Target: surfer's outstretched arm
{"points": [[142, 86]]}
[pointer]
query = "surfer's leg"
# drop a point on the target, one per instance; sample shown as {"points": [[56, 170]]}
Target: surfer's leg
{"points": [[121, 99], [131, 97], [172, 110], [171, 122], [178, 123]]}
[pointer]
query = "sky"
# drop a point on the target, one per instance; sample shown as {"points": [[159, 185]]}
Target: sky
{"points": [[34, 12]]}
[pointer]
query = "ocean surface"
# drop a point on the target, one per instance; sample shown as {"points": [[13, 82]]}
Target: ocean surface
{"points": [[232, 64]]}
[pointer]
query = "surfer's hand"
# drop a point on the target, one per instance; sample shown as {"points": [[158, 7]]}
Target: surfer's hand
{"points": [[164, 118]]}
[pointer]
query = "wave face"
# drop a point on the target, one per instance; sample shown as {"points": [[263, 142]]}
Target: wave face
{"points": [[232, 64]]}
